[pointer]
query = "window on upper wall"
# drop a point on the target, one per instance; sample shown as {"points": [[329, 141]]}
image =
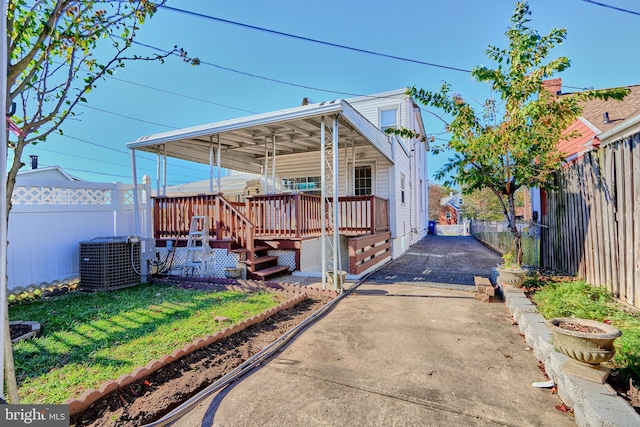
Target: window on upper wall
{"points": [[448, 215], [362, 181], [402, 188], [389, 119]]}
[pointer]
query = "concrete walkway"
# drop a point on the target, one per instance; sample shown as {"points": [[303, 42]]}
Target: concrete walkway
{"points": [[397, 354]]}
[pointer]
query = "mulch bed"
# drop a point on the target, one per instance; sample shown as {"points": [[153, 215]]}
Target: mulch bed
{"points": [[148, 399], [19, 330]]}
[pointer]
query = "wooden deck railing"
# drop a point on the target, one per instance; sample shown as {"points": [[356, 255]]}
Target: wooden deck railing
{"points": [[172, 218], [270, 215]]}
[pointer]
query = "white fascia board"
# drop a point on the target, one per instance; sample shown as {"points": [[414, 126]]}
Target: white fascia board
{"points": [[379, 139], [240, 123], [588, 124], [624, 126]]}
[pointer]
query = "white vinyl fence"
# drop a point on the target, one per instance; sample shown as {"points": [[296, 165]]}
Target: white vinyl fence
{"points": [[50, 218]]}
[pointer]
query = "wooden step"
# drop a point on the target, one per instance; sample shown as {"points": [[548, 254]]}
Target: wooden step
{"points": [[260, 260], [271, 270], [255, 249]]}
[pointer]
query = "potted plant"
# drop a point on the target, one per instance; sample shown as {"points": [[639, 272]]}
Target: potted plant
{"points": [[588, 343], [510, 273]]}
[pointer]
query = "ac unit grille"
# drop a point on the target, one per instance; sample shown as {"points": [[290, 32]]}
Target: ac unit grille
{"points": [[105, 264]]}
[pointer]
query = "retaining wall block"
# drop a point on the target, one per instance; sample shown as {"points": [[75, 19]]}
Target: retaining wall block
{"points": [[125, 380], [108, 387]]}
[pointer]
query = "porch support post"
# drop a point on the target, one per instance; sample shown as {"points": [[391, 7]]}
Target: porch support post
{"points": [[211, 165], [336, 203], [158, 161], [273, 164], [323, 205], [164, 169], [266, 167], [218, 161], [136, 203]]}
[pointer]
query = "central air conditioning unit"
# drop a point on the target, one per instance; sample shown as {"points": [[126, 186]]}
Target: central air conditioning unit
{"points": [[109, 263]]}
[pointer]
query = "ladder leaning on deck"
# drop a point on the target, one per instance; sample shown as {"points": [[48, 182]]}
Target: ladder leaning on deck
{"points": [[197, 247]]}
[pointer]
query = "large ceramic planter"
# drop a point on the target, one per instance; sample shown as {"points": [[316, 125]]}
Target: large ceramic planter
{"points": [[588, 343], [511, 277]]}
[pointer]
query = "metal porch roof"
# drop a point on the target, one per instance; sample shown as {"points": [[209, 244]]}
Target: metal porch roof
{"points": [[242, 140]]}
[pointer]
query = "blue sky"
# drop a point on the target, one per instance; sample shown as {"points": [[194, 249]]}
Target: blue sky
{"points": [[602, 45]]}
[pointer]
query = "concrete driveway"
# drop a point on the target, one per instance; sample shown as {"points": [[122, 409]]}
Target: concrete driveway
{"points": [[440, 260], [398, 353]]}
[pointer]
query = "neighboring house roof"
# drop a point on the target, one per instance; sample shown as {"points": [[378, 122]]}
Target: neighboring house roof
{"points": [[54, 173], [592, 126], [452, 200], [234, 184], [619, 111]]}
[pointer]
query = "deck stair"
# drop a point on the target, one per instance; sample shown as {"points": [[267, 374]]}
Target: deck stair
{"points": [[197, 247], [261, 265]]}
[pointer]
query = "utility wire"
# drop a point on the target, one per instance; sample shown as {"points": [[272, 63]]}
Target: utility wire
{"points": [[307, 39], [182, 95], [608, 6], [257, 76], [128, 117]]}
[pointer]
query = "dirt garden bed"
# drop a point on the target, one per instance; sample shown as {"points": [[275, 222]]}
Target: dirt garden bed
{"points": [[149, 398]]}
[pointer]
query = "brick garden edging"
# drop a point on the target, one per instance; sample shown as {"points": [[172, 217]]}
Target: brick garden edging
{"points": [[593, 404], [90, 396]]}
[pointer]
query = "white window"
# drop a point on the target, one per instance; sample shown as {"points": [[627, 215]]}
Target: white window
{"points": [[448, 215], [460, 201], [402, 189], [363, 180], [307, 184], [389, 119]]}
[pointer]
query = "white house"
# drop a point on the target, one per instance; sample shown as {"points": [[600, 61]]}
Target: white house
{"points": [[306, 154]]}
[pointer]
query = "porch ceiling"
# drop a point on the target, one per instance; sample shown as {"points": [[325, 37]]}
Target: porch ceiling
{"points": [[242, 141]]}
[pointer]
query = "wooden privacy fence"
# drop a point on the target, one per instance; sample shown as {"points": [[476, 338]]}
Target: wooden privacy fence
{"points": [[592, 224]]}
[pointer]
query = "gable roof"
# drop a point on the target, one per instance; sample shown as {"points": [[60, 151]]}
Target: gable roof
{"points": [[49, 172], [591, 126], [619, 111]]}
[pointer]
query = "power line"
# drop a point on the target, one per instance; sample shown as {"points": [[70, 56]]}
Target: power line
{"points": [[182, 95], [257, 76], [128, 117], [307, 39], [608, 6]]}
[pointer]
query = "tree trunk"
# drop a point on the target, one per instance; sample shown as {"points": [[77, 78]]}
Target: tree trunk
{"points": [[517, 237], [9, 364]]}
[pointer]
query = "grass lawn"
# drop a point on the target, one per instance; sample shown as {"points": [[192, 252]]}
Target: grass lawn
{"points": [[579, 299], [91, 338]]}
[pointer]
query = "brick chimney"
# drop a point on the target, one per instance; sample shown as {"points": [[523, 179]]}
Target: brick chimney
{"points": [[553, 85]]}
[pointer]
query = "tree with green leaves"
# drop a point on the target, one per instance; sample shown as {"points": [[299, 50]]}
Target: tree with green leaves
{"points": [[506, 150], [58, 51]]}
